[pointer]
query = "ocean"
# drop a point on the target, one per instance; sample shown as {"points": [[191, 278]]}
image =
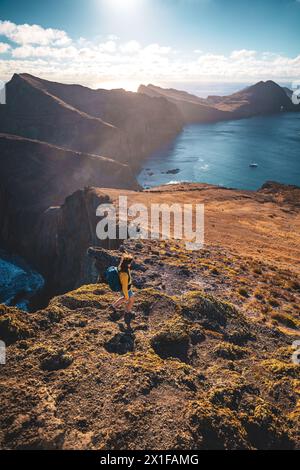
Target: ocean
{"points": [[221, 153], [18, 281]]}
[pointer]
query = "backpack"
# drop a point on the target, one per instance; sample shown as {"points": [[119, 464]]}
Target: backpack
{"points": [[111, 276]]}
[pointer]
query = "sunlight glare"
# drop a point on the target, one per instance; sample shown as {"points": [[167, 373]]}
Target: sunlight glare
{"points": [[123, 5], [128, 85]]}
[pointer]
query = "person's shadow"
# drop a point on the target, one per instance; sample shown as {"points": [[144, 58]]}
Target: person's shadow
{"points": [[127, 328]]}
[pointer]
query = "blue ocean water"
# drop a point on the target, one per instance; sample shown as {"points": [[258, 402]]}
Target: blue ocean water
{"points": [[18, 281], [221, 153]]}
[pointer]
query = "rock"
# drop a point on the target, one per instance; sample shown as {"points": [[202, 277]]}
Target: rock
{"points": [[173, 172]]}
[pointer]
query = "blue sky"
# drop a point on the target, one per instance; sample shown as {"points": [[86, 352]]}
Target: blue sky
{"points": [[165, 41]]}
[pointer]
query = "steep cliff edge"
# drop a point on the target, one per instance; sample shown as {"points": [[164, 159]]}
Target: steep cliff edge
{"points": [[250, 224], [207, 361], [36, 179]]}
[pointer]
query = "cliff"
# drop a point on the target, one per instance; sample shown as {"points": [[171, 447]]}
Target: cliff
{"points": [[260, 99], [118, 124], [36, 179], [245, 222], [30, 168], [207, 361], [192, 108]]}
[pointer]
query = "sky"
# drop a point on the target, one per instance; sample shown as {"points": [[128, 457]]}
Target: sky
{"points": [[122, 43]]}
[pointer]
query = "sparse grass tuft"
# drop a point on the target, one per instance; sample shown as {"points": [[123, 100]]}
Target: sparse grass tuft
{"points": [[230, 351]]}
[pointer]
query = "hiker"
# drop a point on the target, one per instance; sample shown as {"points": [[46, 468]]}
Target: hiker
{"points": [[126, 283]]}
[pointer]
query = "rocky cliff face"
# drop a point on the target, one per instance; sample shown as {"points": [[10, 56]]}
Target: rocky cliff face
{"points": [[36, 221], [262, 98], [121, 125], [192, 108], [259, 99], [39, 175], [63, 235], [33, 112], [55, 241]]}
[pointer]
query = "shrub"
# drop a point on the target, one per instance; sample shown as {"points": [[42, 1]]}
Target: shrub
{"points": [[286, 319], [274, 303], [229, 351], [12, 328], [243, 292], [172, 340], [55, 360], [280, 369], [215, 428]]}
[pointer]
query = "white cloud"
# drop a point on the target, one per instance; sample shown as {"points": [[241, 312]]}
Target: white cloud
{"points": [[131, 47], [242, 54], [44, 51], [52, 54], [4, 47], [154, 49], [33, 34]]}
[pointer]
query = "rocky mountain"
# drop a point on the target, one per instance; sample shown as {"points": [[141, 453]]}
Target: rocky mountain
{"points": [[288, 91], [192, 108], [262, 98], [117, 124], [259, 99]]}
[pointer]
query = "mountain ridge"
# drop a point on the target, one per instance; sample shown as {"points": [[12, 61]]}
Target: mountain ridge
{"points": [[121, 125], [258, 99]]}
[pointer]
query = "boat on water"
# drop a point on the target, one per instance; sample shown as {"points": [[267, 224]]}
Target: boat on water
{"points": [[253, 165]]}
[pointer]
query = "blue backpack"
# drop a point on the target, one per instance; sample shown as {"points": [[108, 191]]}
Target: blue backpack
{"points": [[111, 276]]}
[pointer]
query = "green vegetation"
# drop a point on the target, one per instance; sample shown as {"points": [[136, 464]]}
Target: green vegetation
{"points": [[286, 320], [172, 340], [12, 326], [230, 351], [52, 360]]}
